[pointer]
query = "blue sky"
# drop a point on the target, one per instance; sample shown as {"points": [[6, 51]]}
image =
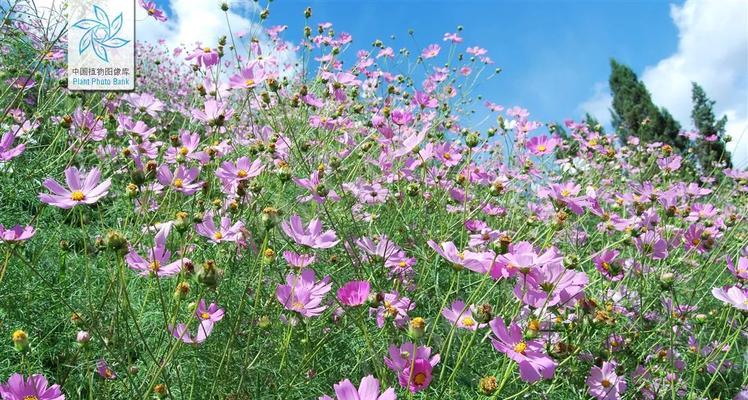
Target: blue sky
{"points": [[554, 54]]}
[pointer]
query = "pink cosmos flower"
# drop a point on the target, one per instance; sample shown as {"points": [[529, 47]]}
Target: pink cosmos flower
{"points": [[651, 244], [452, 37], [430, 51], [395, 307], [533, 363], [188, 149], [604, 384], [354, 293], [566, 194], [144, 103], [607, 263], [183, 180], [84, 189], [225, 233], [461, 316], [158, 259], [17, 233], [368, 390], [311, 236], [248, 78], [413, 365], [741, 271], [541, 145], [298, 260], [733, 296], [232, 173], [204, 56], [153, 10], [35, 387], [207, 316], [214, 112], [6, 152], [318, 192], [303, 293]]}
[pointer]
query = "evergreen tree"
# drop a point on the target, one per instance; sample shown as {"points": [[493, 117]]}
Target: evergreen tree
{"points": [[634, 113], [709, 152]]}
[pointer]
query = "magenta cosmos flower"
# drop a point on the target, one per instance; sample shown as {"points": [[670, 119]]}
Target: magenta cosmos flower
{"points": [[354, 293], [225, 233], [311, 236], [84, 189], [303, 293], [367, 390], [35, 387], [461, 316], [609, 265], [17, 233], [7, 152], [604, 384], [414, 366], [158, 259], [533, 363], [741, 270], [104, 371], [733, 296]]}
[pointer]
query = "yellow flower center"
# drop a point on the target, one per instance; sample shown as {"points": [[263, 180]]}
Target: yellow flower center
{"points": [[297, 305], [249, 82], [593, 142], [541, 147], [218, 235], [31, 397], [242, 173], [155, 266], [151, 11], [447, 156], [467, 321], [206, 50], [520, 347], [108, 373], [565, 193], [419, 379], [77, 195], [605, 266], [606, 383], [178, 183], [204, 315], [402, 264], [184, 150]]}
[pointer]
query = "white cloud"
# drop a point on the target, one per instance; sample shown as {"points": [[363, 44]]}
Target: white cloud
{"points": [[712, 51], [203, 21], [598, 105]]}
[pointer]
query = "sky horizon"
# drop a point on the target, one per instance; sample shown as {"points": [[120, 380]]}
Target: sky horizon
{"points": [[554, 56]]}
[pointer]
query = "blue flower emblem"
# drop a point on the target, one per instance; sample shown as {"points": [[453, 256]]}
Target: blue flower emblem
{"points": [[101, 33]]}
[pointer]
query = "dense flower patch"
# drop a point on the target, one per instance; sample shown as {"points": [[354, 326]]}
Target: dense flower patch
{"points": [[241, 227]]}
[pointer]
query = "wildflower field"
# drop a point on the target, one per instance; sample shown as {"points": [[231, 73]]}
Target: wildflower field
{"points": [[239, 227]]}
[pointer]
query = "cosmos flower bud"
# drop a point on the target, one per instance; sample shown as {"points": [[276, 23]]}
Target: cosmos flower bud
{"points": [[666, 280], [208, 274], [131, 190], [264, 322], [224, 6], [472, 140], [181, 291], [137, 176], [571, 261], [160, 391], [308, 12], [484, 313], [20, 340], [116, 241], [83, 337], [270, 217], [487, 385]]}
